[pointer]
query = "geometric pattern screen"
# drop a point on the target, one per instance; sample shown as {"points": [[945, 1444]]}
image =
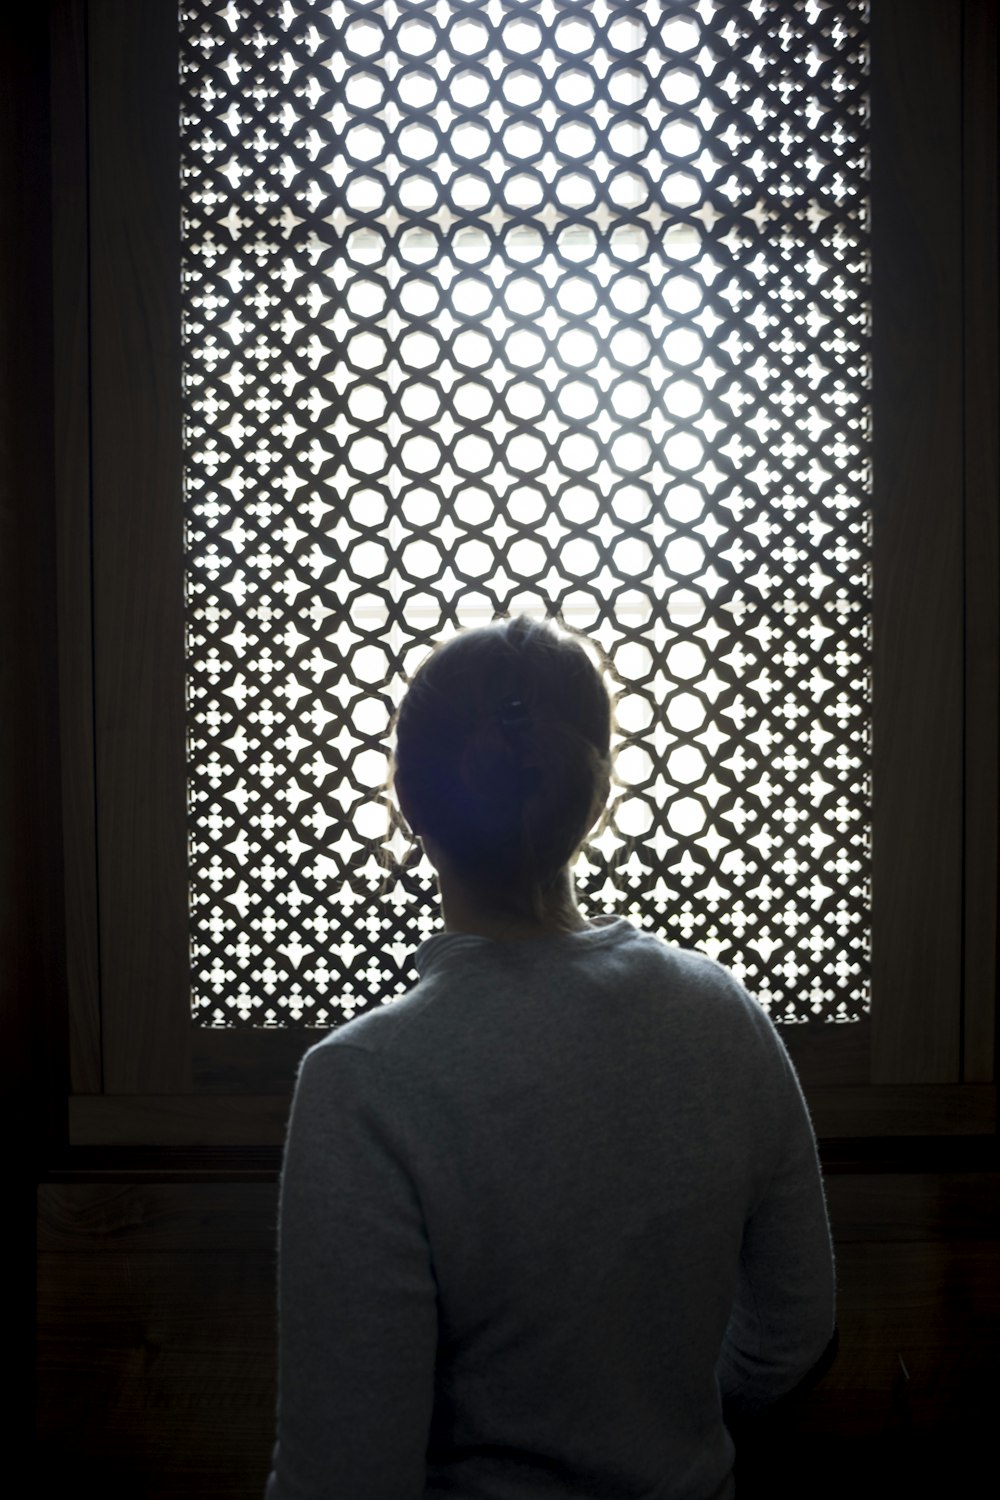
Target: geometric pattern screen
{"points": [[547, 307]]}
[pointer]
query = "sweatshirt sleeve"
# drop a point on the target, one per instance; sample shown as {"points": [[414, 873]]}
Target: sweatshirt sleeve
{"points": [[357, 1306], [783, 1314]]}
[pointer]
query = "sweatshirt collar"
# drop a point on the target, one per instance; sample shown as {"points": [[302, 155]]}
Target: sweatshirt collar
{"points": [[446, 948]]}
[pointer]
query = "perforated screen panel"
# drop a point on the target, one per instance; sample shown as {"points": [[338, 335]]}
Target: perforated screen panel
{"points": [[534, 307]]}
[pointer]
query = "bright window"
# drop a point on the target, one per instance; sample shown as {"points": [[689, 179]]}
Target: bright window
{"points": [[556, 308]]}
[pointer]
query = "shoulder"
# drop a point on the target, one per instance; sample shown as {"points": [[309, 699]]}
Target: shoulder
{"points": [[374, 1031], [502, 987], [690, 973], [715, 1004], [348, 1074]]}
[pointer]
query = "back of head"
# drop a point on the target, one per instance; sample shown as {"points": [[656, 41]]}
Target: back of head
{"points": [[503, 754]]}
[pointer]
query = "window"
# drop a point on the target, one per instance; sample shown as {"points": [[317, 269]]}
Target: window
{"points": [[494, 307], [153, 1074]]}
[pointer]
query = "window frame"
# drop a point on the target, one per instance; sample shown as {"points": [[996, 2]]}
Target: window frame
{"points": [[923, 1062]]}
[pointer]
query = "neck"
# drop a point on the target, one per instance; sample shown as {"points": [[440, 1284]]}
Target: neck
{"points": [[467, 909]]}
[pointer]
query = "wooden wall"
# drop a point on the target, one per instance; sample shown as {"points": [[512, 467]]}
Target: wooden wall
{"points": [[32, 975], [157, 1336]]}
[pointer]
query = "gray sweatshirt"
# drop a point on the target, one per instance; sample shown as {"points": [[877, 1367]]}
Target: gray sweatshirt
{"points": [[537, 1219]]}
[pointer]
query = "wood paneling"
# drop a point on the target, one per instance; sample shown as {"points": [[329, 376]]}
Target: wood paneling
{"points": [[828, 1057], [71, 398], [138, 543], [917, 541], [32, 978], [903, 1110], [982, 534], [840, 1113], [156, 1328], [266, 1062], [179, 1120], [97, 1218], [157, 1372]]}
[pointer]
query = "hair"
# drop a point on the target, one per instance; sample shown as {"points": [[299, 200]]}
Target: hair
{"points": [[503, 755]]}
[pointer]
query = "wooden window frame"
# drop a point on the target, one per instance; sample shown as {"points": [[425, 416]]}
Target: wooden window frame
{"points": [[923, 1062]]}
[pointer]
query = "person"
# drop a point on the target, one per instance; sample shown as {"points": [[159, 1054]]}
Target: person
{"points": [[555, 1216]]}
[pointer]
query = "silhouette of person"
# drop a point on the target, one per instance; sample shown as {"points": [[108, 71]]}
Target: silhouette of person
{"points": [[555, 1216]]}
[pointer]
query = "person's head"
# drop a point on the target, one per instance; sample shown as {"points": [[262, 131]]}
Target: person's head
{"points": [[503, 757]]}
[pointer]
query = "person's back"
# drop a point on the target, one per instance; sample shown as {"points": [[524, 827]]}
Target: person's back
{"points": [[540, 1218]]}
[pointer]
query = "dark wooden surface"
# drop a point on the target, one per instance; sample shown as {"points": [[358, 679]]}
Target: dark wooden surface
{"points": [[157, 1337], [982, 533], [841, 1112], [266, 1062], [159, 1380], [71, 453], [917, 540], [32, 973], [138, 543]]}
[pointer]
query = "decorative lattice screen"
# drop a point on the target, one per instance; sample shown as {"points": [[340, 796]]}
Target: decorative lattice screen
{"points": [[493, 307]]}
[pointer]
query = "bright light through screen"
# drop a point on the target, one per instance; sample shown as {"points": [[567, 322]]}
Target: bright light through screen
{"points": [[489, 310]]}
